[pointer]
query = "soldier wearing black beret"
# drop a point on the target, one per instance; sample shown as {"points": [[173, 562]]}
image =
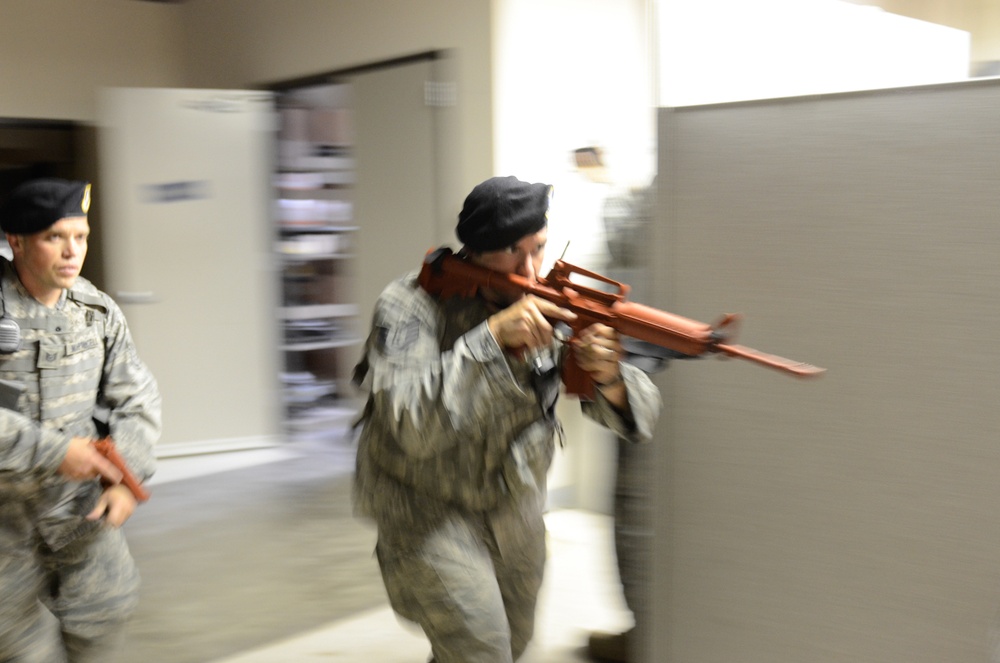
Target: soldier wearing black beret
{"points": [[459, 431], [500, 211], [36, 205], [67, 580]]}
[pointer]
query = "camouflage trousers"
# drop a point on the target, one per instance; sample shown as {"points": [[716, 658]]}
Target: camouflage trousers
{"points": [[69, 606], [633, 525], [474, 599]]}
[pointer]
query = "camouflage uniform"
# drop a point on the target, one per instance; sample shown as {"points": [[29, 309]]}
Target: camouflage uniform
{"points": [[68, 584], [458, 437], [627, 218]]}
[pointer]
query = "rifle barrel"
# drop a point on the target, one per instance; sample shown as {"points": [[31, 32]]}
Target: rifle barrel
{"points": [[796, 368]]}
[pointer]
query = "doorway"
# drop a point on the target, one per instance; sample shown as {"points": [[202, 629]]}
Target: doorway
{"points": [[356, 181]]}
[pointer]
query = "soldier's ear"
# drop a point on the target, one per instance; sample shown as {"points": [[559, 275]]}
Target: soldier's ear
{"points": [[14, 241]]}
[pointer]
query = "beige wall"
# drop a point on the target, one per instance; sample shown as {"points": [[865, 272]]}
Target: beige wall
{"points": [[980, 18], [238, 43], [55, 54]]}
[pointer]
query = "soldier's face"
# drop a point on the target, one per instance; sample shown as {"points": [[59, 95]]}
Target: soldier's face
{"points": [[49, 261], [523, 258]]}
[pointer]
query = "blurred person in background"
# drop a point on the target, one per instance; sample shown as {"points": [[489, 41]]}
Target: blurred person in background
{"points": [[459, 431], [69, 374], [617, 249], [577, 234], [625, 214]]}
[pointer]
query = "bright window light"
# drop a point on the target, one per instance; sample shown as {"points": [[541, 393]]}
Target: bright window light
{"points": [[730, 50]]}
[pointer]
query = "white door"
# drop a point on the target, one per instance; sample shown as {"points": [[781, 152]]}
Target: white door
{"points": [[185, 197]]}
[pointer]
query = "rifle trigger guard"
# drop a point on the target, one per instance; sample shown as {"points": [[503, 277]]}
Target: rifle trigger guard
{"points": [[562, 331]]}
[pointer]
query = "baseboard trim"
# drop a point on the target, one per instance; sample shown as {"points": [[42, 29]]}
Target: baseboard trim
{"points": [[222, 445]]}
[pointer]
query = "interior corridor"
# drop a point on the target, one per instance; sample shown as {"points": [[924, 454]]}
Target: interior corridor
{"points": [[255, 557]]}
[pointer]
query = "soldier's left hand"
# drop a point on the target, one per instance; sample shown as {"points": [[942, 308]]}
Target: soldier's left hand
{"points": [[116, 505]]}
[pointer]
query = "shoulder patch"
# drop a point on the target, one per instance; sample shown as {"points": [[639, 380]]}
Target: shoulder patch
{"points": [[393, 340]]}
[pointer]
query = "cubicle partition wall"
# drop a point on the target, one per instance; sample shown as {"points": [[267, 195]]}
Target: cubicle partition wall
{"points": [[855, 517]]}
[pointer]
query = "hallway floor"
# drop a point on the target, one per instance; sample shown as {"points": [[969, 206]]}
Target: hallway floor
{"points": [[254, 557]]}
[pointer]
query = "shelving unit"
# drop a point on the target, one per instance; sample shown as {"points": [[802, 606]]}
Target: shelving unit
{"points": [[314, 244]]}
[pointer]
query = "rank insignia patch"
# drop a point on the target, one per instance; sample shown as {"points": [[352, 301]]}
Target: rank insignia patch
{"points": [[393, 340]]}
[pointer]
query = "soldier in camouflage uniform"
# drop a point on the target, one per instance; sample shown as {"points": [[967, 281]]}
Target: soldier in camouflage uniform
{"points": [[459, 432], [627, 215], [69, 373]]}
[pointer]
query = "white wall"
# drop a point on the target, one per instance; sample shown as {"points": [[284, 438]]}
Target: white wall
{"points": [[571, 74], [730, 50]]}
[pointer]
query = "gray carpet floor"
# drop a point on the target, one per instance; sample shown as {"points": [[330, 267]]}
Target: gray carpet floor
{"points": [[236, 559]]}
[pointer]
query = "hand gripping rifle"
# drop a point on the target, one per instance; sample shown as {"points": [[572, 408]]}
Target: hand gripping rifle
{"points": [[108, 449], [447, 275]]}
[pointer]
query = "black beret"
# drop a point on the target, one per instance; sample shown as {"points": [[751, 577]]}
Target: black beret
{"points": [[500, 211], [35, 205]]}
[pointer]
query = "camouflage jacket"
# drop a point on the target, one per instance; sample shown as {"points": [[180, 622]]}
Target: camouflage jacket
{"points": [[453, 421], [76, 374]]}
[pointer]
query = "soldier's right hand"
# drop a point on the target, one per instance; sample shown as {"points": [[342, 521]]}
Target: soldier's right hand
{"points": [[84, 461], [523, 324]]}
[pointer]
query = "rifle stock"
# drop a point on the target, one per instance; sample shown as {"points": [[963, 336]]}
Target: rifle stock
{"points": [[446, 275]]}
